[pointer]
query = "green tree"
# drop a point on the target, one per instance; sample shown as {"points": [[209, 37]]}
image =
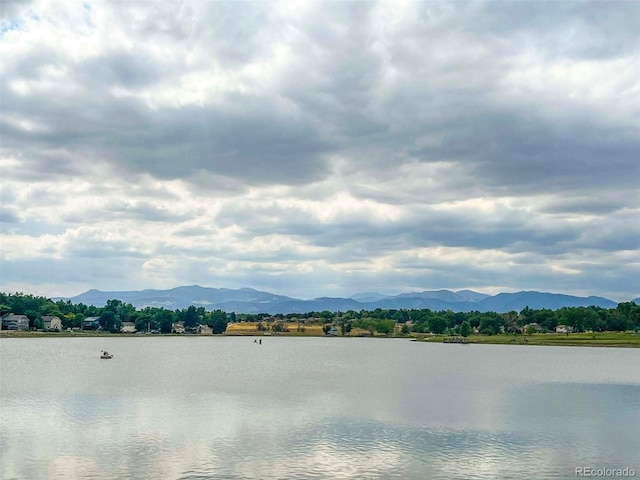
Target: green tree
{"points": [[590, 318], [4, 309], [616, 321], [465, 329], [107, 321], [546, 319], [526, 316], [630, 311], [345, 327], [218, 321], [190, 317], [69, 320], [474, 319], [438, 324], [77, 320], [386, 327], [571, 316], [164, 319], [145, 321], [489, 325]]}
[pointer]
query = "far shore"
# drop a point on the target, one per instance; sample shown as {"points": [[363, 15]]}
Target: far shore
{"points": [[585, 339], [597, 339]]}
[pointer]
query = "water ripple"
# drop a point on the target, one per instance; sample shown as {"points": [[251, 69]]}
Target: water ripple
{"points": [[280, 412]]}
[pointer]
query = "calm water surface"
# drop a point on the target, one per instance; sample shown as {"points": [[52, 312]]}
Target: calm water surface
{"points": [[216, 407]]}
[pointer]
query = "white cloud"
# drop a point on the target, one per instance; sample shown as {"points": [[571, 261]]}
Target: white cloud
{"points": [[320, 148]]}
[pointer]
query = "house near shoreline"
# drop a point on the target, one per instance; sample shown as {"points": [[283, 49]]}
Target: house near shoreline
{"points": [[91, 323], [534, 327], [177, 327], [205, 330], [128, 327], [51, 322], [15, 322], [564, 329]]}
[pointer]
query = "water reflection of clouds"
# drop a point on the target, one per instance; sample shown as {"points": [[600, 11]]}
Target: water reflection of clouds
{"points": [[224, 437], [411, 421], [586, 422], [342, 448], [322, 460]]}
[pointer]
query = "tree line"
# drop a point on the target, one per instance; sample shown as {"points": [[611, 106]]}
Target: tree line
{"points": [[112, 315], [625, 316]]}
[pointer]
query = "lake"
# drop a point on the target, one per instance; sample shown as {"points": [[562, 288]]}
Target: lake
{"points": [[299, 408]]}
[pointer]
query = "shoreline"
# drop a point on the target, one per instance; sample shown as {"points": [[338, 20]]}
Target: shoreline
{"points": [[600, 339]]}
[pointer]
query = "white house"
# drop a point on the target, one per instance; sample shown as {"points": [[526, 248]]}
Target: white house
{"points": [[177, 327], [533, 327], [128, 327], [51, 322], [564, 329], [205, 330]]}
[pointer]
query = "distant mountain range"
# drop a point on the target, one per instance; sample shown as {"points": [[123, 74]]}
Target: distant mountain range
{"points": [[248, 300]]}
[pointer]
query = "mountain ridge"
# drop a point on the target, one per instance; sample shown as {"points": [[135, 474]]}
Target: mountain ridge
{"points": [[249, 300]]}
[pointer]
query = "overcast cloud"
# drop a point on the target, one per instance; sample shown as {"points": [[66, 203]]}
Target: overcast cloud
{"points": [[315, 149]]}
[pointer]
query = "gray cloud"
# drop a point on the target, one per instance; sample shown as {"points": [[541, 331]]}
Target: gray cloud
{"points": [[9, 215], [346, 146], [569, 29], [135, 69]]}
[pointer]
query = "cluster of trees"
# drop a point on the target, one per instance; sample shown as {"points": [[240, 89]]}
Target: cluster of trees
{"points": [[112, 315], [626, 316]]}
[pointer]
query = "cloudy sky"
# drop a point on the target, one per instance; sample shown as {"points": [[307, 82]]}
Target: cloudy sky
{"points": [[315, 149]]}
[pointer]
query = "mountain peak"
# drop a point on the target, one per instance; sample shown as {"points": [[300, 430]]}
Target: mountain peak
{"points": [[368, 296], [249, 300]]}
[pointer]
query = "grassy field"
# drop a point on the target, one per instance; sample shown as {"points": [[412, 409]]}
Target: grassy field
{"points": [[598, 339], [250, 328]]}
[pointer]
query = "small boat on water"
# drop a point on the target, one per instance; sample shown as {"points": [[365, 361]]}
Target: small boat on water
{"points": [[106, 355]]}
